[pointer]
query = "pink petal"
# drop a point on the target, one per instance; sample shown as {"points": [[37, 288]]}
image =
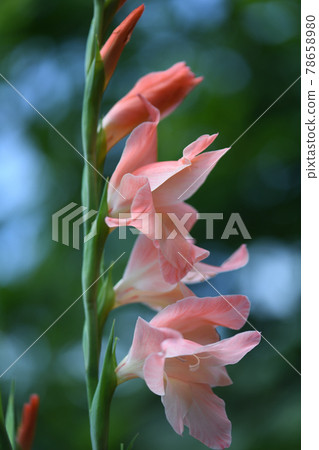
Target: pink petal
{"points": [[137, 207], [203, 271], [121, 199], [143, 268], [178, 256], [177, 250], [143, 281], [165, 177], [165, 90], [187, 361], [206, 418], [194, 369], [153, 371], [177, 401], [140, 148], [147, 339], [194, 317], [159, 172], [232, 350], [172, 347], [191, 362], [152, 298], [196, 147], [143, 271], [183, 184], [194, 363], [182, 213]]}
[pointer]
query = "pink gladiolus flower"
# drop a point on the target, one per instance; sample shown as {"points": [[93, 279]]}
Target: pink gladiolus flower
{"points": [[165, 90], [112, 49], [180, 357], [142, 188], [143, 281], [26, 430]]}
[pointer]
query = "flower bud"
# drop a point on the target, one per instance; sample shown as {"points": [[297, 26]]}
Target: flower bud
{"points": [[165, 90], [112, 49], [26, 430]]}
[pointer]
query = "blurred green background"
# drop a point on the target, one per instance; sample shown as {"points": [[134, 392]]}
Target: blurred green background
{"points": [[248, 52]]}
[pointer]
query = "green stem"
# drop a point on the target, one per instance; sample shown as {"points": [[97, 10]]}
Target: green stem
{"points": [[91, 195]]}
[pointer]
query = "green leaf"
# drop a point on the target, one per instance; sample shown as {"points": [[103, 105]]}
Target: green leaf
{"points": [[130, 446], [10, 416], [1, 411], [4, 438], [100, 409], [132, 442]]}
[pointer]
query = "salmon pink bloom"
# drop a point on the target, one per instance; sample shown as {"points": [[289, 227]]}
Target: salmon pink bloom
{"points": [[141, 190], [180, 357], [143, 281], [165, 90], [26, 430], [112, 49]]}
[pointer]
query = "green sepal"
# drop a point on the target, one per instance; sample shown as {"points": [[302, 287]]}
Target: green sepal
{"points": [[101, 147], [104, 12], [103, 210], [92, 255], [110, 8], [10, 420], [97, 232], [90, 48], [100, 408], [93, 92], [106, 296], [105, 301], [95, 39], [4, 438]]}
